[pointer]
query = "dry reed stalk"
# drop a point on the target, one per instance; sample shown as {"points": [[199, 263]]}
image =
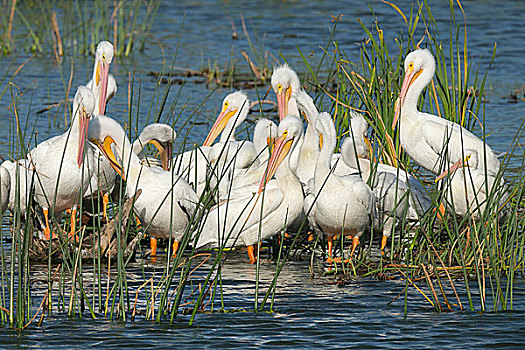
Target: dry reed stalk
{"points": [[56, 37]]}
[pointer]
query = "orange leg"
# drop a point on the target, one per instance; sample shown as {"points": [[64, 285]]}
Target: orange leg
{"points": [[330, 249], [311, 237], [139, 224], [153, 245], [73, 222], [105, 201], [355, 243], [251, 254], [383, 244], [47, 230], [175, 248]]}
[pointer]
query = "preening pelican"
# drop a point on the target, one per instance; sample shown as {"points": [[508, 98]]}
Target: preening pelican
{"points": [[159, 135], [437, 144], [338, 204], [167, 201], [250, 219], [5, 188], [60, 177]]}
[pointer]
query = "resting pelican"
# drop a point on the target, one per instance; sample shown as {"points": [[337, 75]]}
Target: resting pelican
{"points": [[264, 130], [58, 164], [159, 135], [337, 204], [434, 143], [250, 219], [104, 87], [167, 201], [5, 188]]}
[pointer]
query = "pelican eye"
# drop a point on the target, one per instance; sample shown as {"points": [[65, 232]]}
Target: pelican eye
{"points": [[411, 66], [104, 56], [279, 88], [226, 103], [285, 133]]}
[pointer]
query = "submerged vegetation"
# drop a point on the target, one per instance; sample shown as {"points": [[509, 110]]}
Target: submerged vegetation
{"points": [[433, 257]]}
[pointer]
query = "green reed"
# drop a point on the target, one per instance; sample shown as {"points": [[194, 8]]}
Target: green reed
{"points": [[75, 27]]}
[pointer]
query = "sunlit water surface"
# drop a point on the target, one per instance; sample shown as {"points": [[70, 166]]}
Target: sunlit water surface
{"points": [[308, 312]]}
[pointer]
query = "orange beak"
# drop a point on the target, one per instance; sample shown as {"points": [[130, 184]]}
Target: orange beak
{"points": [[219, 125], [83, 130], [280, 150], [410, 77], [282, 102], [106, 150]]}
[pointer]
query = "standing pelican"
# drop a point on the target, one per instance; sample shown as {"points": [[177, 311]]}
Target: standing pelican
{"points": [[249, 219], [167, 201], [338, 204], [58, 164], [437, 144], [434, 143], [104, 87]]}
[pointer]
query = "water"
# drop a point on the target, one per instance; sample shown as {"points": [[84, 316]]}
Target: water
{"points": [[309, 312]]}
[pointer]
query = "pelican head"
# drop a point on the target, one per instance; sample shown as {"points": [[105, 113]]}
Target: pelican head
{"points": [[235, 108], [264, 131], [470, 160], [284, 82], [105, 132], [83, 106], [358, 125], [420, 67], [289, 131], [161, 136], [324, 124], [103, 58]]}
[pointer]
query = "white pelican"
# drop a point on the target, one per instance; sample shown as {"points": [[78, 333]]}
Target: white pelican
{"points": [[338, 204], [394, 197], [434, 143], [5, 188], [58, 163], [167, 201], [437, 144], [24, 181], [229, 155], [264, 130], [285, 83], [249, 219], [159, 135], [104, 87], [103, 57]]}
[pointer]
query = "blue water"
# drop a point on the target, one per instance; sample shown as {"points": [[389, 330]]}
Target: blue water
{"points": [[309, 312]]}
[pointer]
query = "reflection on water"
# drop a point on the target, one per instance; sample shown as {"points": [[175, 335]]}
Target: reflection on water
{"points": [[309, 312]]}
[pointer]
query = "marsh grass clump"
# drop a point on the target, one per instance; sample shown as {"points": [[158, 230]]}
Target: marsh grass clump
{"points": [[453, 262], [74, 27]]}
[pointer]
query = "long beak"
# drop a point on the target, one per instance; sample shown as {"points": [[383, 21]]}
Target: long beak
{"points": [[104, 73], [282, 102], [320, 141], [410, 77], [106, 150], [459, 164], [164, 153], [83, 130], [280, 150], [218, 126]]}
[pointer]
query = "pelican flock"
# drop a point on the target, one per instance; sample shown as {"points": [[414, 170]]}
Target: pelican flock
{"points": [[247, 191]]}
